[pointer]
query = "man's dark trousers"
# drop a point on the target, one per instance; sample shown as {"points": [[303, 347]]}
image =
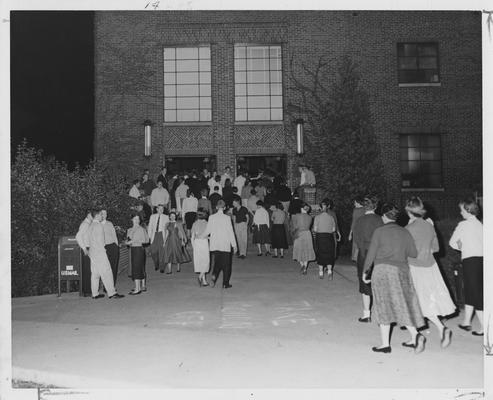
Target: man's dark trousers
{"points": [[222, 262], [113, 253]]}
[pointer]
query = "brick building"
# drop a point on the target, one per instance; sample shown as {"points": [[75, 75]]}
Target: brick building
{"points": [[216, 85]]}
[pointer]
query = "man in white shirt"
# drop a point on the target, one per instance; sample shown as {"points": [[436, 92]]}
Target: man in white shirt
{"points": [[159, 195], [100, 266], [156, 232], [82, 238], [239, 182], [110, 244], [226, 175], [222, 241], [134, 191]]}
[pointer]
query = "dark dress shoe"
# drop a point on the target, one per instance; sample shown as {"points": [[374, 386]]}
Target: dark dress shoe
{"points": [[477, 333], [99, 296], [243, 257], [365, 320], [162, 271], [227, 286], [117, 296], [387, 349], [410, 345], [132, 293], [466, 328]]}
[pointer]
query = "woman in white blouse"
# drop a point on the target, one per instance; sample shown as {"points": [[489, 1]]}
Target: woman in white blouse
{"points": [[136, 238], [261, 229], [468, 239]]}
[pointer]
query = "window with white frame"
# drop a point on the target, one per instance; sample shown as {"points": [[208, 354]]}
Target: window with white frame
{"points": [[187, 84], [418, 63], [421, 161], [258, 83]]}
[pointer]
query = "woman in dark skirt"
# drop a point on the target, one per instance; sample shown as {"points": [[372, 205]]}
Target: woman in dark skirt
{"points": [[325, 229], [261, 229], [394, 296], [136, 238], [278, 233], [468, 239], [175, 251]]}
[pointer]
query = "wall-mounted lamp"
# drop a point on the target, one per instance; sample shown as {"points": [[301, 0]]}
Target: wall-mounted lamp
{"points": [[299, 136], [147, 138]]}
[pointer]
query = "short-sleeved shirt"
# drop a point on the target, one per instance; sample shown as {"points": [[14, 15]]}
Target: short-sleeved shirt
{"points": [[240, 214]]}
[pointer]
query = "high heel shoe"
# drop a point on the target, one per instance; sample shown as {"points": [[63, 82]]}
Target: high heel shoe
{"points": [[178, 269], [387, 349], [200, 282], [205, 283], [330, 275]]}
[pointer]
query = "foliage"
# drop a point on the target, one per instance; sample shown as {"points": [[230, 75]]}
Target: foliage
{"points": [[340, 128], [49, 201]]}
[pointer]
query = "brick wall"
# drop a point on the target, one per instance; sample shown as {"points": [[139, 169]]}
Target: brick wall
{"points": [[129, 85]]}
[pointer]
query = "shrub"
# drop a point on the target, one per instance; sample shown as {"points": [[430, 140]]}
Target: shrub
{"points": [[49, 201]]}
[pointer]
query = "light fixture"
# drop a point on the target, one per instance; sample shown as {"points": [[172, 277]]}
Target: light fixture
{"points": [[147, 138], [299, 136]]}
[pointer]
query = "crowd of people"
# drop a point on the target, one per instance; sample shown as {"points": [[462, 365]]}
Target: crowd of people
{"points": [[208, 218]]}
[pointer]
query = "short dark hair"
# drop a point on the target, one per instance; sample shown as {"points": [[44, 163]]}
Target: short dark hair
{"points": [[216, 187], [95, 211], [370, 202], [470, 205], [260, 203], [253, 192], [390, 210], [135, 181]]}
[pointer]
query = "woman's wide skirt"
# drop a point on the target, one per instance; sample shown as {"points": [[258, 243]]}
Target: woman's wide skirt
{"points": [[174, 252], [261, 234], [303, 247], [433, 295], [279, 239], [201, 256], [394, 297]]}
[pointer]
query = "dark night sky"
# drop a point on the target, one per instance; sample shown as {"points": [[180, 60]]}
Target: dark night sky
{"points": [[52, 82]]}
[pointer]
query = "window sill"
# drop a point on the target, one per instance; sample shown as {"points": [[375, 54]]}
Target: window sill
{"points": [[422, 189], [420, 84], [208, 123], [259, 123]]}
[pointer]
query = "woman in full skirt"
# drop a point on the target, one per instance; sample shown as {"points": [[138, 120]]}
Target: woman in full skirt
{"points": [[201, 256]]}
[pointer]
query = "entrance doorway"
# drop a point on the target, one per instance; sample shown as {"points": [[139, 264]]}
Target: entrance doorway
{"points": [[272, 165], [184, 164]]}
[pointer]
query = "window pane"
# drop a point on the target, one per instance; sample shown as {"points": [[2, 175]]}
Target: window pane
{"points": [[240, 89], [276, 114], [434, 180], [240, 64], [241, 115], [183, 78], [428, 49], [169, 90], [258, 89], [205, 65], [205, 77], [258, 76], [169, 78], [275, 64], [276, 88], [428, 63], [413, 167], [276, 101], [431, 76], [170, 116], [169, 66], [276, 76], [240, 102], [205, 115], [408, 63], [187, 115], [258, 64], [205, 102], [187, 90], [170, 103], [205, 52], [240, 52], [205, 90], [187, 65], [187, 53], [169, 53], [258, 102], [431, 167], [257, 52], [187, 103], [275, 51], [409, 154], [404, 167], [410, 141], [430, 141], [408, 76], [407, 49], [431, 153], [240, 77], [258, 115]]}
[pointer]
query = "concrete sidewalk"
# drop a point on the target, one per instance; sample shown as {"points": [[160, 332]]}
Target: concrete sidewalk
{"points": [[274, 329]]}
